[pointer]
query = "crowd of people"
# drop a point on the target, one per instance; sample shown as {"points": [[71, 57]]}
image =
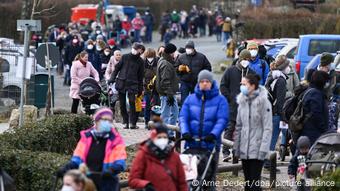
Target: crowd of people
{"points": [[249, 106]]}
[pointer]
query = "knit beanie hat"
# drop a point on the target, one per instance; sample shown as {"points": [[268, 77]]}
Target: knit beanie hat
{"points": [[326, 59], [205, 75], [245, 55], [281, 63], [303, 142], [190, 44], [111, 42], [170, 48], [101, 112], [252, 45]]}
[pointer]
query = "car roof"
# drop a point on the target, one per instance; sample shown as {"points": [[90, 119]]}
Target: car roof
{"points": [[321, 36]]}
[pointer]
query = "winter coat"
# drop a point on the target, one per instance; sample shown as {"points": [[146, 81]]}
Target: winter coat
{"points": [[166, 80], [71, 52], [315, 107], [276, 85], [150, 70], [128, 74], [137, 23], [146, 169], [204, 113], [230, 86], [261, 68], [253, 125], [91, 53], [148, 20], [110, 68], [196, 63], [78, 74]]}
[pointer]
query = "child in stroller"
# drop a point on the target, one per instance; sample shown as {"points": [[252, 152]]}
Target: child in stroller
{"points": [[89, 93]]}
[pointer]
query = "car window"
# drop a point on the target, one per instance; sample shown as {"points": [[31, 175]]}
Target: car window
{"points": [[320, 46], [291, 53], [274, 50]]}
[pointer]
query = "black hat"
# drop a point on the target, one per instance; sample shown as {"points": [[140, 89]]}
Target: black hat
{"points": [[181, 50], [170, 48], [190, 44]]}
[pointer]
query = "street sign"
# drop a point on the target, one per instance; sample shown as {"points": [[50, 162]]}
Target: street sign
{"points": [[34, 25], [41, 54]]}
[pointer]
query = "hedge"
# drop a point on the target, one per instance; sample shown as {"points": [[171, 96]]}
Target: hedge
{"points": [[58, 134], [32, 154]]}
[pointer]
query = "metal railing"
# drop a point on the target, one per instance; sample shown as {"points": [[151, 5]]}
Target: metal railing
{"points": [[231, 167]]}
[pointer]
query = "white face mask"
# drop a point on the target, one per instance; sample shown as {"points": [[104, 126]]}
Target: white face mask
{"points": [[253, 53], [244, 63], [287, 70], [90, 46], [134, 51], [67, 188], [161, 143], [75, 41], [107, 53], [189, 51], [150, 59], [98, 48]]}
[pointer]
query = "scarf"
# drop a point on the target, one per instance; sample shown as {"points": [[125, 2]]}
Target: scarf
{"points": [[157, 152]]}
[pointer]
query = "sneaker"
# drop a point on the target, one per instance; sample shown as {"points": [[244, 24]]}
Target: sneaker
{"points": [[227, 158]]}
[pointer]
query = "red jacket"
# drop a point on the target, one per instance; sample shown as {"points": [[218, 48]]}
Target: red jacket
{"points": [[146, 169]]}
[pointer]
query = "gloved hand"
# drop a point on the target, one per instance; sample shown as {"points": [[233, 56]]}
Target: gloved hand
{"points": [[210, 138], [187, 136], [182, 68], [170, 100], [149, 187]]}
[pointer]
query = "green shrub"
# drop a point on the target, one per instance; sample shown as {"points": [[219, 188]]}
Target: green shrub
{"points": [[58, 134], [330, 178], [31, 171]]}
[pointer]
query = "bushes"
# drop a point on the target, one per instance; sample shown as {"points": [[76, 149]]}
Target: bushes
{"points": [[58, 133], [33, 153], [264, 24]]}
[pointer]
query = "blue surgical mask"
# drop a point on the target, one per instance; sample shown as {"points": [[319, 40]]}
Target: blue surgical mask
{"points": [[104, 126], [244, 90]]}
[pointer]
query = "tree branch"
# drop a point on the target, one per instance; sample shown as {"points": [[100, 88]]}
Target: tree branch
{"points": [[44, 10]]}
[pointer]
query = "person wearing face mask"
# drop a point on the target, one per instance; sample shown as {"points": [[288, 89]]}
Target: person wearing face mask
{"points": [[80, 70], [204, 115], [148, 19], [315, 107], [253, 129], [189, 65], [167, 85], [276, 85], [74, 180], [105, 58], [326, 65], [150, 69], [71, 51], [91, 50], [101, 150], [128, 76], [157, 165], [256, 63], [112, 44], [230, 88], [117, 56], [99, 57]]}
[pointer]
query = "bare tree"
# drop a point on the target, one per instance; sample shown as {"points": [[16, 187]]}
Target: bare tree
{"points": [[38, 8]]}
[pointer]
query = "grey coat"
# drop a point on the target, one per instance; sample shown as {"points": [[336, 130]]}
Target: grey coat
{"points": [[253, 126]]}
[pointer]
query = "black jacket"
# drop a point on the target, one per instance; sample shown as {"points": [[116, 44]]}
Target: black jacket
{"points": [[230, 86], [71, 52], [128, 74], [278, 92], [150, 70], [196, 62], [315, 105], [166, 80], [294, 164]]}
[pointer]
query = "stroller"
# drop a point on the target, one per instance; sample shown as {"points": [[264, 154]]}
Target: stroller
{"points": [[324, 155], [89, 93], [198, 166]]}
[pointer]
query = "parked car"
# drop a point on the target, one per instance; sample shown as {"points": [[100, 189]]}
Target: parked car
{"points": [[275, 46], [310, 4], [314, 63], [311, 45]]}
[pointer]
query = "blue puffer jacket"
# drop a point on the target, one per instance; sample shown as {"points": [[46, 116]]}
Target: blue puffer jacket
{"points": [[257, 65], [204, 113]]}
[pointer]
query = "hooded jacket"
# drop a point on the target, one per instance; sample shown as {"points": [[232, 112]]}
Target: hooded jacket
{"points": [[196, 63], [276, 84], [253, 125], [166, 80], [261, 68], [147, 168], [230, 85], [204, 113]]}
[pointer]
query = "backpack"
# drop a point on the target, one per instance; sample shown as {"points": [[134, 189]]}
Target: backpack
{"points": [[299, 117], [291, 103], [270, 89]]}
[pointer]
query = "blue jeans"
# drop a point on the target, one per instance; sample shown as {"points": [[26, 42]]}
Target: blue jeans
{"points": [[225, 37], [147, 109], [149, 33], [186, 89], [276, 131], [169, 113], [137, 35], [67, 77]]}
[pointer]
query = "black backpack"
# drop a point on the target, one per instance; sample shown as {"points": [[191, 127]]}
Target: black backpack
{"points": [[291, 102]]}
